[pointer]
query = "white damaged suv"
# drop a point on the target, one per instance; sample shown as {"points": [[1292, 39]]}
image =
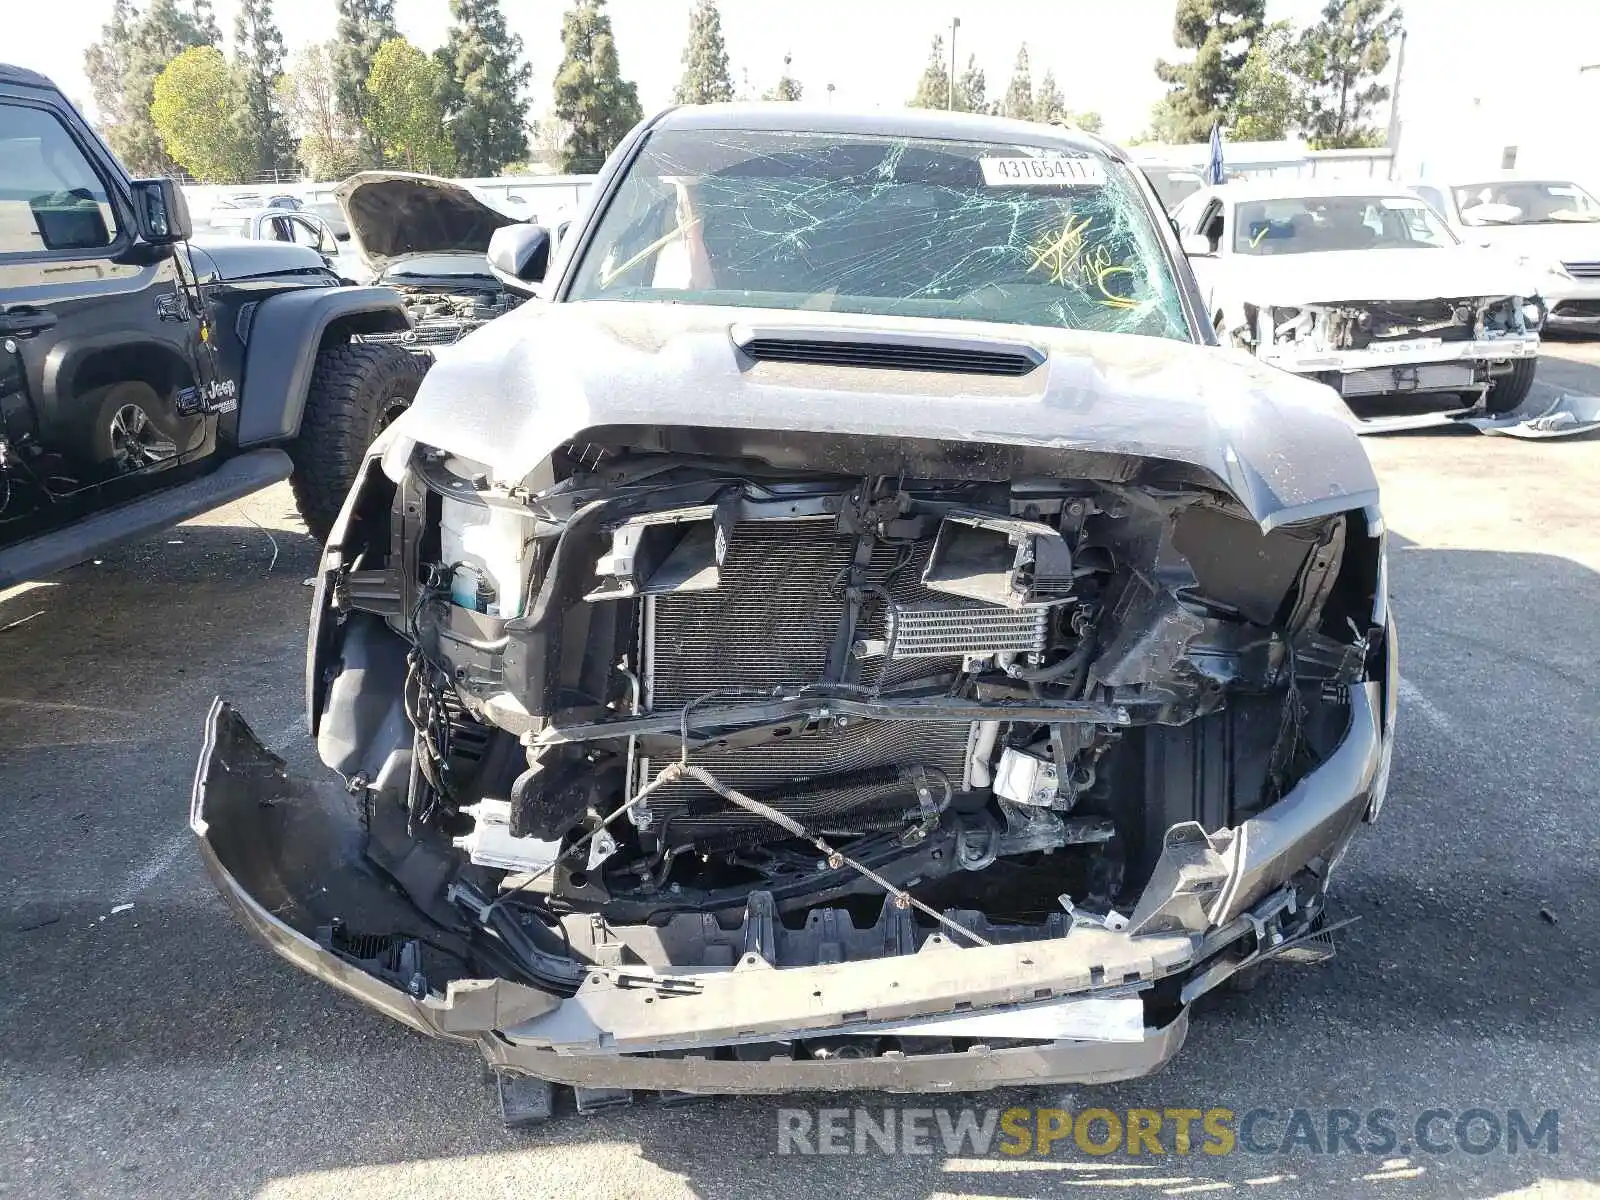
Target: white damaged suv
{"points": [[1360, 285]]}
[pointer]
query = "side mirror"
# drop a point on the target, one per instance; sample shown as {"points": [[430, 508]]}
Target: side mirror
{"points": [[519, 255], [161, 211], [1197, 245]]}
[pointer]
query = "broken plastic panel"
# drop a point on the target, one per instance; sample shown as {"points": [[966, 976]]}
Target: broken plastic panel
{"points": [[999, 561]]}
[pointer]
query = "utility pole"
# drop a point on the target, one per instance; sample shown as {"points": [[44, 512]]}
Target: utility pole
{"points": [[1393, 138], [950, 100]]}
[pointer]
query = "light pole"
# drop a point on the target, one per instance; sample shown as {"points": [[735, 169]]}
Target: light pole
{"points": [[950, 98]]}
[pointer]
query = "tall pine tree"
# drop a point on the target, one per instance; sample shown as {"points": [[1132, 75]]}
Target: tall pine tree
{"points": [[364, 25], [486, 83], [133, 49], [933, 88], [258, 61], [1018, 102], [591, 96], [106, 65], [1049, 105], [1200, 92], [1343, 55], [705, 59]]}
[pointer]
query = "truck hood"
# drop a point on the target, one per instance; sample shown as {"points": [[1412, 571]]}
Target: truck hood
{"points": [[519, 388], [395, 213], [1454, 272], [230, 258]]}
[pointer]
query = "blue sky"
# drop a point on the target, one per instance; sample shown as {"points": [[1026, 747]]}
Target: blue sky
{"points": [[1102, 51]]}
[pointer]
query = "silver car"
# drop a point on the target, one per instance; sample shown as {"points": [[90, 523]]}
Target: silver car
{"points": [[859, 630]]}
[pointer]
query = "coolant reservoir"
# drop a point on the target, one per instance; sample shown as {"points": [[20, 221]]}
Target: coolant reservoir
{"points": [[490, 546]]}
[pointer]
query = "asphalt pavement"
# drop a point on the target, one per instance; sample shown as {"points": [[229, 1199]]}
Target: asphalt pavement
{"points": [[149, 1048]]}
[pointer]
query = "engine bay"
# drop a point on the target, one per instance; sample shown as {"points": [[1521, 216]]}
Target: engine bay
{"points": [[654, 687]]}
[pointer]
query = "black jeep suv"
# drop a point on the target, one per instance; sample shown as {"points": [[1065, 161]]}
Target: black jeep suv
{"points": [[144, 380]]}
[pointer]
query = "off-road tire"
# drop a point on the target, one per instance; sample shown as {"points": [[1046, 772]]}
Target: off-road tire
{"points": [[1508, 391], [356, 390]]}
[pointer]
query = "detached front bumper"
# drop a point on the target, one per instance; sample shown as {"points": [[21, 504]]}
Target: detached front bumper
{"points": [[289, 857], [1420, 365]]}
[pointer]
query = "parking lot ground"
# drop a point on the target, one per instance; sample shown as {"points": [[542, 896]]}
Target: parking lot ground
{"points": [[156, 1051]]}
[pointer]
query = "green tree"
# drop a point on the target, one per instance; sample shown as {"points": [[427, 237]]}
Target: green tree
{"points": [[1342, 56], [106, 64], [933, 89], [1018, 102], [364, 25], [258, 60], [1269, 104], [972, 89], [1049, 105], [194, 102], [1201, 90], [133, 49], [591, 96], [705, 59], [787, 87], [486, 82], [308, 92], [1089, 121], [405, 109]]}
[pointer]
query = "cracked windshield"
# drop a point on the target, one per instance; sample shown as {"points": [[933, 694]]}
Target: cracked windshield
{"points": [[892, 226]]}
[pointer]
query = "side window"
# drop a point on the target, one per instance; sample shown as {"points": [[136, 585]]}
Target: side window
{"points": [[307, 234], [279, 230], [1434, 197], [50, 197], [1211, 223]]}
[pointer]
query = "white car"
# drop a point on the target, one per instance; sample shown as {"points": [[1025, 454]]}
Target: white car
{"points": [[300, 226], [1550, 225], [1359, 284]]}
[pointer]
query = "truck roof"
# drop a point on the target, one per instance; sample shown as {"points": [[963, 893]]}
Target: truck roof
{"points": [[11, 74], [909, 122]]}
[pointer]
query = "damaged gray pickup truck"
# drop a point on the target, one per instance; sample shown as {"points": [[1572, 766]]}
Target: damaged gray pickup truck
{"points": [[859, 631]]}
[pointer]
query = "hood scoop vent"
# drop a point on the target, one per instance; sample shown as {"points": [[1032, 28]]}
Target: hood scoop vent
{"points": [[887, 350]]}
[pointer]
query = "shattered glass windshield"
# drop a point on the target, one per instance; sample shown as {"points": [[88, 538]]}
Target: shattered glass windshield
{"points": [[1310, 224], [884, 226]]}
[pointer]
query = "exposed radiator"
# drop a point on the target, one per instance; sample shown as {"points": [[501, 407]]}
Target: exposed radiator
{"points": [[935, 632], [771, 624]]}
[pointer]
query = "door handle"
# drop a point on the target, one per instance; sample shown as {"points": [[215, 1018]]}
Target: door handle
{"points": [[23, 322]]}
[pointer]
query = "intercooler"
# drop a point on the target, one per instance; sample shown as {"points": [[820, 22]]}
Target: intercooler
{"points": [[769, 628]]}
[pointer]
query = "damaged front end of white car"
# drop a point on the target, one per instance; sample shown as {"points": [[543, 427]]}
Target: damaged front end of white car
{"points": [[1483, 349]]}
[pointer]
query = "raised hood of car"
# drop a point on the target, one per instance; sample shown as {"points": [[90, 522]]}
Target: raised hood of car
{"points": [[1433, 273], [523, 386], [396, 213]]}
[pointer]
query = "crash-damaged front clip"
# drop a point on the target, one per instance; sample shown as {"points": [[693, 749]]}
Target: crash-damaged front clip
{"points": [[779, 663], [757, 1006]]}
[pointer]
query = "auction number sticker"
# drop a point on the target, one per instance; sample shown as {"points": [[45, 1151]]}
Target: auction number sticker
{"points": [[1043, 172]]}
